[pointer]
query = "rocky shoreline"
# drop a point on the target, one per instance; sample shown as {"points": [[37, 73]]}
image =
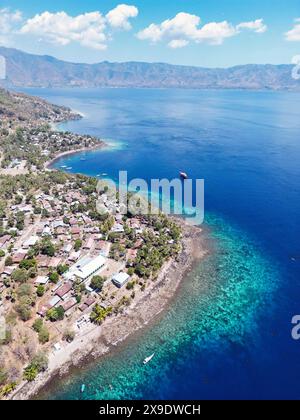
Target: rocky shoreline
{"points": [[99, 340]]}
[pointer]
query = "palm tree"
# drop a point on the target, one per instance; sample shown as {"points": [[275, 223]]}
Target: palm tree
{"points": [[30, 373], [99, 314]]}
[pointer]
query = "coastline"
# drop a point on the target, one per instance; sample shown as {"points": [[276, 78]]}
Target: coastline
{"points": [[97, 341], [99, 146]]}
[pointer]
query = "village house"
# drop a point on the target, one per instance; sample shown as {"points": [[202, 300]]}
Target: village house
{"points": [[76, 231], [4, 240], [57, 223], [138, 244], [69, 304], [46, 231], [85, 268], [89, 244], [30, 242], [118, 228], [7, 271], [73, 221], [120, 279], [67, 248], [43, 261], [55, 262], [104, 248], [131, 255], [87, 304], [19, 257], [42, 280], [60, 231], [51, 304], [74, 256], [63, 290]]}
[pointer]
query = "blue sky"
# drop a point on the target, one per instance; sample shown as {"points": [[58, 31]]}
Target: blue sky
{"points": [[214, 33]]}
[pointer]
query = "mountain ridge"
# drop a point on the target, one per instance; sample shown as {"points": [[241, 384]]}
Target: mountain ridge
{"points": [[30, 70]]}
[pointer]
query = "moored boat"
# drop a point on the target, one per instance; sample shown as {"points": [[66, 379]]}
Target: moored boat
{"points": [[148, 359]]}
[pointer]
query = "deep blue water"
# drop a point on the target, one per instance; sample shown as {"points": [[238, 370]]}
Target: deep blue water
{"points": [[246, 145]]}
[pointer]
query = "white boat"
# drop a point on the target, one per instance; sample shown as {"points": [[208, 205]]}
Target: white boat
{"points": [[148, 359]]}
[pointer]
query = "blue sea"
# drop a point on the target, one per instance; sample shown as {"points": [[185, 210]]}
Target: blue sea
{"points": [[227, 334]]}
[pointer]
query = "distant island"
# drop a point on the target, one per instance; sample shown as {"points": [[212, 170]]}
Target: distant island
{"points": [[28, 70]]}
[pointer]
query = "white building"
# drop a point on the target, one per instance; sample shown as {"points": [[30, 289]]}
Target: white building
{"points": [[120, 279], [42, 280], [46, 231], [30, 242], [67, 248], [53, 301], [86, 268], [57, 223], [118, 228]]}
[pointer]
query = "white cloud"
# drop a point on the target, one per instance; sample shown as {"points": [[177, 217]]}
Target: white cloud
{"points": [[152, 33], [60, 28], [90, 30], [178, 43], [182, 25], [215, 33], [185, 28], [118, 17], [294, 34], [8, 24], [257, 26], [8, 19]]}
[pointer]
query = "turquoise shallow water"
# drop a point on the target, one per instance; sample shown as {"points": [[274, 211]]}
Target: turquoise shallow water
{"points": [[217, 306]]}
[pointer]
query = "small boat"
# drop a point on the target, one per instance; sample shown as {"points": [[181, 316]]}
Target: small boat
{"points": [[148, 359], [82, 388], [183, 175], [63, 166], [104, 174]]}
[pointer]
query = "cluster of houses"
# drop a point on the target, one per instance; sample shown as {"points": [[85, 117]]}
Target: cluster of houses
{"points": [[56, 141], [89, 259], [44, 143], [30, 111], [50, 238]]}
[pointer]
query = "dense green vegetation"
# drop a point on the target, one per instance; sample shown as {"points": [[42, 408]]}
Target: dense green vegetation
{"points": [[38, 364], [99, 314]]}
